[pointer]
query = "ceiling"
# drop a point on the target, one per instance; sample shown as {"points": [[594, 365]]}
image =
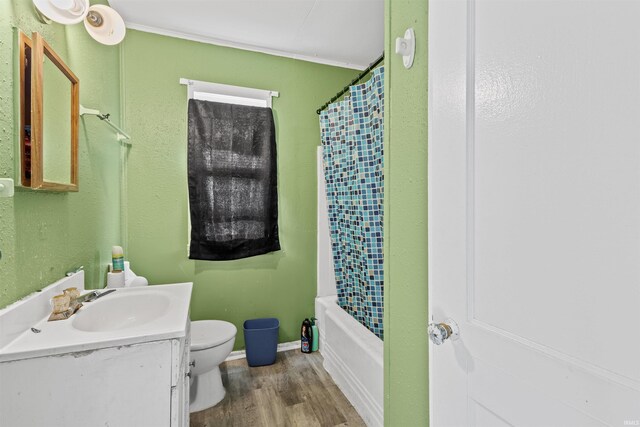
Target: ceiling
{"points": [[348, 33]]}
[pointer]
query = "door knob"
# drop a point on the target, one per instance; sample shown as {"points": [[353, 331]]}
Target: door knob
{"points": [[440, 332]]}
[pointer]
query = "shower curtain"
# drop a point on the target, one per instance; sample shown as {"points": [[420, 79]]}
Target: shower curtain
{"points": [[352, 140]]}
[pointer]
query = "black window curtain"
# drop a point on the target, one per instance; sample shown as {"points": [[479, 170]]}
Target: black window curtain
{"points": [[232, 181]]}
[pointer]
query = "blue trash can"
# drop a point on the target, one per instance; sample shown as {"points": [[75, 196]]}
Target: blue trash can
{"points": [[261, 340]]}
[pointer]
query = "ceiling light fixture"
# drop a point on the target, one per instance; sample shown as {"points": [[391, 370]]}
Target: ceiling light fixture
{"points": [[102, 23], [63, 11], [105, 25]]}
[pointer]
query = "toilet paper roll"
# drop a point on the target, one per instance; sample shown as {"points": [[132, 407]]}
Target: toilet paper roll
{"points": [[115, 280]]}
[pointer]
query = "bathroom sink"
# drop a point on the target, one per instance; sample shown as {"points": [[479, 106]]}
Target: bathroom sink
{"points": [[118, 311], [127, 316]]}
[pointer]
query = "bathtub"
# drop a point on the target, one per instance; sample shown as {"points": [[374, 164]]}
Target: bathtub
{"points": [[353, 357]]}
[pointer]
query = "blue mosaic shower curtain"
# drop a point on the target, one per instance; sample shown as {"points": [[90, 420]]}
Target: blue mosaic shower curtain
{"points": [[352, 140]]}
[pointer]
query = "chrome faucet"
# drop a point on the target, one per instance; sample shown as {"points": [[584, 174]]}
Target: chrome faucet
{"points": [[69, 308], [93, 295]]}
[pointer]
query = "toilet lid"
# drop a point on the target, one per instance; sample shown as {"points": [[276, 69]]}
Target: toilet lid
{"points": [[210, 333]]}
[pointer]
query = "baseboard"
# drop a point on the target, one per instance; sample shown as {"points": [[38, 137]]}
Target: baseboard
{"points": [[284, 346]]}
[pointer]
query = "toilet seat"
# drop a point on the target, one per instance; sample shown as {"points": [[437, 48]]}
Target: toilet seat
{"points": [[211, 333]]}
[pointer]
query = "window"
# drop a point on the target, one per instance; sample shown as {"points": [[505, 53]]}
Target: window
{"points": [[229, 99], [228, 94]]}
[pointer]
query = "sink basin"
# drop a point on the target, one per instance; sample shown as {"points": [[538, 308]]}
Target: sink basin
{"points": [[125, 317], [118, 311]]}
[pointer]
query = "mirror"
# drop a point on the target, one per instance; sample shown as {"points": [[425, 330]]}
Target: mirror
{"points": [[49, 124]]}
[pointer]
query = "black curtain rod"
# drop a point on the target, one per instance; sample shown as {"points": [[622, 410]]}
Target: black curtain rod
{"points": [[354, 81]]}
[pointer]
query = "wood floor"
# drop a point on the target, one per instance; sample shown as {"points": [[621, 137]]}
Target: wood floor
{"points": [[295, 391]]}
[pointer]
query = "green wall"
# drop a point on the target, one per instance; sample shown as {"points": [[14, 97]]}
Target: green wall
{"points": [[42, 235], [406, 361], [280, 284]]}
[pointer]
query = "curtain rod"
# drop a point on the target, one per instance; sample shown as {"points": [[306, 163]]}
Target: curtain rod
{"points": [[354, 81]]}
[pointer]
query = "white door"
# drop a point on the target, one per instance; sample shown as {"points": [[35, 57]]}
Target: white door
{"points": [[534, 233]]}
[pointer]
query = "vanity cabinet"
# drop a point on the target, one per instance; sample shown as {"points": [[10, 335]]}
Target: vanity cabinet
{"points": [[133, 385], [121, 360], [182, 380]]}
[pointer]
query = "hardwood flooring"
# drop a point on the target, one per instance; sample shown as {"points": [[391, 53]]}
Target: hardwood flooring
{"points": [[295, 391]]}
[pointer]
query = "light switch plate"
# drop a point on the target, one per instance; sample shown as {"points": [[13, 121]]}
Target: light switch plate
{"points": [[6, 187]]}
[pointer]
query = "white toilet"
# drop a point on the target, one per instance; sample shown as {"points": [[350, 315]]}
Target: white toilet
{"points": [[211, 343]]}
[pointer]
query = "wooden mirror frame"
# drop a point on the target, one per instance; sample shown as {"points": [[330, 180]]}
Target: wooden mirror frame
{"points": [[32, 105]]}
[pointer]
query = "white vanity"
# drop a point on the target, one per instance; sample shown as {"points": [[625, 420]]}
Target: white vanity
{"points": [[121, 360]]}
